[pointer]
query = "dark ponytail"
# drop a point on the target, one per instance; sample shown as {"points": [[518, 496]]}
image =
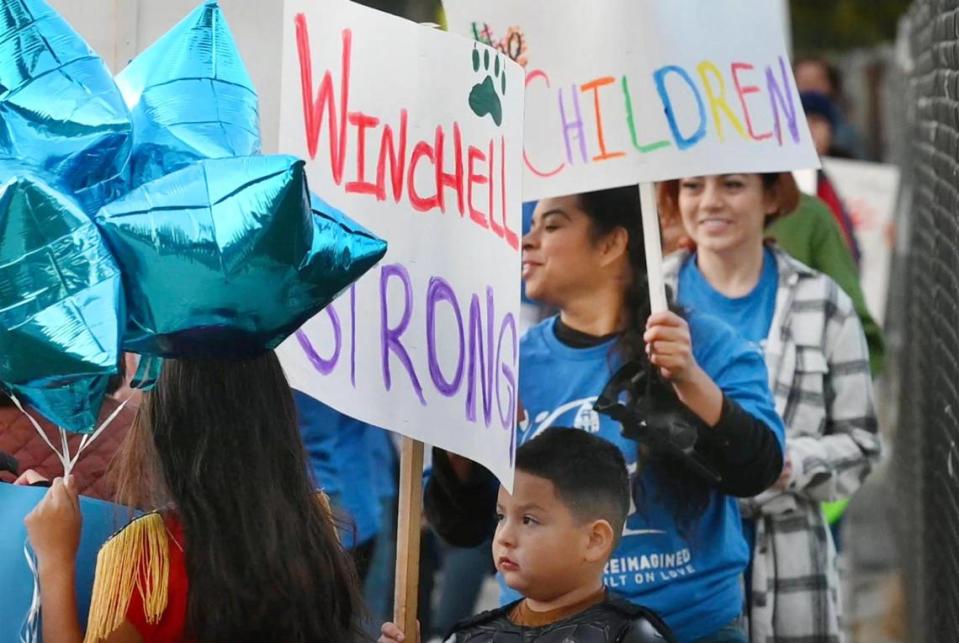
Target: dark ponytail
{"points": [[619, 208], [681, 491]]}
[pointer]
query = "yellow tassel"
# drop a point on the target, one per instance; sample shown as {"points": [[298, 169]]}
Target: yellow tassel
{"points": [[137, 557]]}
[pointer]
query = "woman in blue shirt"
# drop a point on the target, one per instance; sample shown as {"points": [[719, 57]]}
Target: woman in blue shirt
{"points": [[818, 361], [682, 552]]}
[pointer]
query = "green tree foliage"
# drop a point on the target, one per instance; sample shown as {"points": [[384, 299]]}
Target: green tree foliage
{"points": [[836, 25]]}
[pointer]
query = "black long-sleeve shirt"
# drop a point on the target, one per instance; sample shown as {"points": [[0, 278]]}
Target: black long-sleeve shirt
{"points": [[742, 449]]}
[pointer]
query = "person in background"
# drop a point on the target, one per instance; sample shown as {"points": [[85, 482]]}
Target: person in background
{"points": [[811, 235], [817, 359], [814, 74], [821, 117]]}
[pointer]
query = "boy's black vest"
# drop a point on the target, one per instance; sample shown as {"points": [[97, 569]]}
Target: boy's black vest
{"points": [[612, 621]]}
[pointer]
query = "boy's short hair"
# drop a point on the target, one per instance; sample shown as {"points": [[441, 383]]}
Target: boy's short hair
{"points": [[588, 473]]}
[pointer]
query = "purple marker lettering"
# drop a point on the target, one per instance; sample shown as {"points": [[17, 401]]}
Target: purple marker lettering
{"points": [[509, 374], [439, 290], [784, 98], [353, 334], [390, 337], [323, 366], [572, 129], [486, 367]]}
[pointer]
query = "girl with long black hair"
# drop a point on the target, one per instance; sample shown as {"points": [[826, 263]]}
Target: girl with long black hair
{"points": [[237, 545], [682, 552]]}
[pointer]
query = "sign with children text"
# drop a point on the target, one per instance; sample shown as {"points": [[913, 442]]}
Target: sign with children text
{"points": [[416, 134], [627, 91]]}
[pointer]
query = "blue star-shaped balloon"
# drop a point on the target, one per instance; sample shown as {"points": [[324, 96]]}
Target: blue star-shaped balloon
{"points": [[60, 301], [59, 107], [190, 97], [220, 251], [225, 256], [67, 136]]}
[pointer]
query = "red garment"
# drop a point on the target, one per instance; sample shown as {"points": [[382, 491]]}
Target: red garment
{"points": [[826, 191], [172, 625]]}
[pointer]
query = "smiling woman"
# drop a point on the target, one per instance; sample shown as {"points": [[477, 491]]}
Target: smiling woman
{"points": [[818, 363], [561, 259], [728, 210]]}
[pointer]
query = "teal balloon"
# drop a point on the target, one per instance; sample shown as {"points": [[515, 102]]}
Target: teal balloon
{"points": [[341, 240], [190, 97], [61, 301], [226, 257], [59, 107]]}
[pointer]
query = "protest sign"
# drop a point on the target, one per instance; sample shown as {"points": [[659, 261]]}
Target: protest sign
{"points": [[869, 191], [621, 92], [416, 134]]}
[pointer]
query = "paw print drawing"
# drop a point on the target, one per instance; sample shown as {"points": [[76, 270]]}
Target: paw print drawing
{"points": [[485, 95]]}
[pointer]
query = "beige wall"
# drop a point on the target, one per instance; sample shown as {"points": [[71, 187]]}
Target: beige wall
{"points": [[119, 29]]}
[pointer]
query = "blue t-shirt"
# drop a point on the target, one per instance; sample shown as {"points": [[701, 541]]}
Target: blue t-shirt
{"points": [[343, 466], [751, 314], [694, 582]]}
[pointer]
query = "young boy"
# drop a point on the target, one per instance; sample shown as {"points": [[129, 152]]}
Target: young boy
{"points": [[554, 535]]}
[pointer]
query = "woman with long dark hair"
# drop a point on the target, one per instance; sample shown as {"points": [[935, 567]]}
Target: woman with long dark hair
{"points": [[682, 553], [236, 546]]}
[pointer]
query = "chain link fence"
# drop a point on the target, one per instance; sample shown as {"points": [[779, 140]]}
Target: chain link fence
{"points": [[924, 319]]}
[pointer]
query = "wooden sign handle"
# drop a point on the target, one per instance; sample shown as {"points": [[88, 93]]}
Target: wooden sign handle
{"points": [[409, 524], [654, 247]]}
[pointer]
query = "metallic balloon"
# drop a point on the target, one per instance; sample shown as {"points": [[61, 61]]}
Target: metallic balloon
{"points": [[190, 97], [59, 107], [225, 257], [61, 302]]}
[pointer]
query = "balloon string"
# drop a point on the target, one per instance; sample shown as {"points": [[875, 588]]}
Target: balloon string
{"points": [[30, 632], [64, 459], [90, 437], [67, 463]]}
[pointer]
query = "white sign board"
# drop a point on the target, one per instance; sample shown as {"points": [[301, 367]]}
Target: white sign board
{"points": [[626, 91], [416, 134], [868, 191]]}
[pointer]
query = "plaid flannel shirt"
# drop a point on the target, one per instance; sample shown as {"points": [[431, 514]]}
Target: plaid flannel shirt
{"points": [[818, 365]]}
